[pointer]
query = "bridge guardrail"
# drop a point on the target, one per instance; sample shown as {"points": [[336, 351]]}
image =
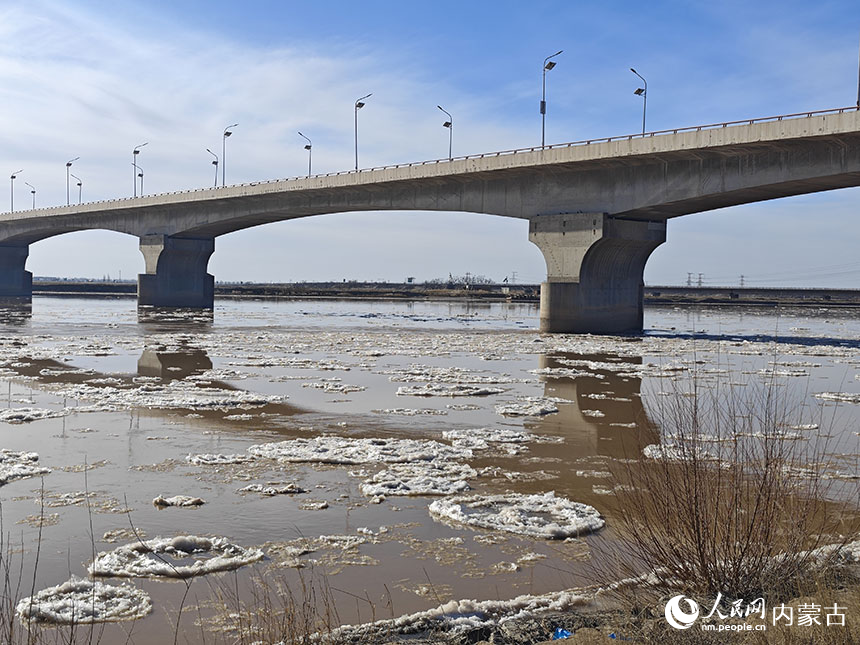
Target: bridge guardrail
{"points": [[484, 155]]}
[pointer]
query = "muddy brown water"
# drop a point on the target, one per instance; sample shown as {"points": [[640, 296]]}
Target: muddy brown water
{"points": [[123, 383]]}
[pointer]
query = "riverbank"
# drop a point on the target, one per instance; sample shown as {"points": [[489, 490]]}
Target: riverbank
{"points": [[653, 295]]}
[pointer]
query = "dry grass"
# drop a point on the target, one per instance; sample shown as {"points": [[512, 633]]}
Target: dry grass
{"points": [[733, 501]]}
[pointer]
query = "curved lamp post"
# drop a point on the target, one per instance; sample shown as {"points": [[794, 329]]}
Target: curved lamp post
{"points": [[358, 105], [547, 65], [80, 188], [32, 192], [134, 154], [140, 176], [308, 148], [643, 92], [227, 133], [450, 125], [69, 165], [12, 190], [214, 163]]}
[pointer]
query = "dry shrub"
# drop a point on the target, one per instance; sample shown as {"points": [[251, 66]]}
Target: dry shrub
{"points": [[733, 500], [272, 610]]}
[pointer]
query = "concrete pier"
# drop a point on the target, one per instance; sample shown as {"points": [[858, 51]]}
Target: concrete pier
{"points": [[594, 267], [15, 281], [176, 272]]}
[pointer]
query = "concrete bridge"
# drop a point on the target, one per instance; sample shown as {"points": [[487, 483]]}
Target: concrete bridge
{"points": [[596, 209]]}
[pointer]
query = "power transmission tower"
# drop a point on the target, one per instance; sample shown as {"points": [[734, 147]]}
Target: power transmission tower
{"points": [[742, 281], [689, 279], [699, 283]]}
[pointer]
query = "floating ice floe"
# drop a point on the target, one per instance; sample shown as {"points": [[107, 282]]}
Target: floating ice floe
{"points": [[177, 500], [842, 397], [25, 415], [447, 389], [80, 601], [19, 465], [561, 372], [530, 407], [422, 478], [451, 375], [273, 489], [411, 412], [540, 516], [675, 452], [329, 449], [162, 557], [333, 386], [207, 459]]}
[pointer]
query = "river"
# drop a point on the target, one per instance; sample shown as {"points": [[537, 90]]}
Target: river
{"points": [[115, 401]]}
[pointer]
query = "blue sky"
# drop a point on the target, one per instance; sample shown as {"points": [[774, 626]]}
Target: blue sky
{"points": [[94, 79]]}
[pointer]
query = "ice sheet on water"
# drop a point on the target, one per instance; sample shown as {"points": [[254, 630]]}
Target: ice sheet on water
{"points": [[162, 557], [330, 449], [841, 397], [177, 500], [80, 601], [446, 389], [540, 515], [333, 386], [529, 407], [675, 452], [25, 415], [561, 372], [451, 375], [207, 459], [411, 412], [19, 465], [421, 478], [270, 490]]}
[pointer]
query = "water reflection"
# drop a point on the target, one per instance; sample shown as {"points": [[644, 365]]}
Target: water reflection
{"points": [[605, 417], [15, 311], [173, 365]]}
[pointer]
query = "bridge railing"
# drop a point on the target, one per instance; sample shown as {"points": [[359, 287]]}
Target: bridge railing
{"points": [[485, 155]]}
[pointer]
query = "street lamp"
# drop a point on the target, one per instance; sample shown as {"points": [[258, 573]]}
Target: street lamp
{"points": [[140, 174], [69, 165], [450, 125], [80, 188], [134, 154], [308, 148], [547, 65], [227, 133], [12, 190], [643, 92], [214, 163], [358, 106], [33, 193]]}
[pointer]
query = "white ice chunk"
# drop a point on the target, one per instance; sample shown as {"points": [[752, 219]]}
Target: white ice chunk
{"points": [[422, 478], [164, 557], [177, 500], [541, 516], [329, 449], [18, 465], [79, 601], [444, 389]]}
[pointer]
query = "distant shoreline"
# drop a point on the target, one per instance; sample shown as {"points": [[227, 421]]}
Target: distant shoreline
{"points": [[653, 295]]}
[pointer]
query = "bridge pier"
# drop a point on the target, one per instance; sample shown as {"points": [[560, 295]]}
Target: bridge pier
{"points": [[594, 267], [176, 272], [15, 281]]}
